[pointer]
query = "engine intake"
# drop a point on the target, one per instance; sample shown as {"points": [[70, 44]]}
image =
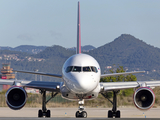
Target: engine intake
{"points": [[16, 97], [144, 98]]}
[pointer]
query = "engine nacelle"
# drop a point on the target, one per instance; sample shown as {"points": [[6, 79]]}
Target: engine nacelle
{"points": [[16, 97], [144, 98]]}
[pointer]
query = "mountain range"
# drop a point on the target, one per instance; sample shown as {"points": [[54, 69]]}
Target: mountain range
{"points": [[36, 49], [126, 50]]}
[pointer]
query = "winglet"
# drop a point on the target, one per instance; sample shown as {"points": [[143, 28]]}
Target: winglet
{"points": [[78, 31]]}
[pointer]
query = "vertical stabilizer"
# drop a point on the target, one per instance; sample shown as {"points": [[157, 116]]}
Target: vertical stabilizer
{"points": [[78, 31]]}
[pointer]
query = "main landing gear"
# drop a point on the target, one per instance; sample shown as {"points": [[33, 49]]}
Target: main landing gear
{"points": [[114, 112], [44, 111], [81, 113]]}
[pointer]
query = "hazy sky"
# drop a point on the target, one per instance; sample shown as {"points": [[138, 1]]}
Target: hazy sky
{"points": [[54, 22]]}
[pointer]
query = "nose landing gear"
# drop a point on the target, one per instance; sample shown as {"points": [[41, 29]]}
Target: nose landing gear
{"points": [[81, 112]]}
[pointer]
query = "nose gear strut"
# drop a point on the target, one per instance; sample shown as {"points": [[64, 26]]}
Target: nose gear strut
{"points": [[81, 112]]}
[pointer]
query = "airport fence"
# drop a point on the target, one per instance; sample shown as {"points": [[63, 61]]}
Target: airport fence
{"points": [[35, 100]]}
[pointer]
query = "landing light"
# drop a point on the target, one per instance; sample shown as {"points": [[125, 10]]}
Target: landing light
{"points": [[57, 87]]}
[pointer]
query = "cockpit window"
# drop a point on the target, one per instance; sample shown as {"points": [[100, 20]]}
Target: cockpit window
{"points": [[69, 69], [94, 69], [76, 69], [79, 69], [86, 69]]}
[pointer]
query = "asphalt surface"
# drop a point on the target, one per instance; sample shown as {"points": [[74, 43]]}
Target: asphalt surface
{"points": [[15, 118], [69, 114]]}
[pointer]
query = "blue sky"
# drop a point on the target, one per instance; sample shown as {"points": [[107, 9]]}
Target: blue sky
{"points": [[54, 22]]}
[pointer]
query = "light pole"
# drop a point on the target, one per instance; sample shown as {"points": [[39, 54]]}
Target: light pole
{"points": [[35, 70]]}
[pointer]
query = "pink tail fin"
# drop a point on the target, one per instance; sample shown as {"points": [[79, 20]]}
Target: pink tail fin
{"points": [[78, 31]]}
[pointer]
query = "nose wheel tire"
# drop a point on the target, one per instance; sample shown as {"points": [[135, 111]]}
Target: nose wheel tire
{"points": [[82, 114]]}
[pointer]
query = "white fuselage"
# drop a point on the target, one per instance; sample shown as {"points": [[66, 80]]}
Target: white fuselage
{"points": [[81, 74]]}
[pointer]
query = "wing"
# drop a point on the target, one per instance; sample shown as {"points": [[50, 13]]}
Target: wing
{"points": [[124, 73], [38, 73], [49, 86], [110, 86]]}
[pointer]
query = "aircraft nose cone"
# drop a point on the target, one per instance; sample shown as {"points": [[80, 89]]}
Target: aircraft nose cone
{"points": [[84, 84]]}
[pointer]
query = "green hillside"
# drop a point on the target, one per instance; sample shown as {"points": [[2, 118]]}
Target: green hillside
{"points": [[130, 52], [126, 50]]}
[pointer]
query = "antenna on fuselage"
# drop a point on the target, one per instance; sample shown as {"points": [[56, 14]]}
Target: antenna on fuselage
{"points": [[78, 31]]}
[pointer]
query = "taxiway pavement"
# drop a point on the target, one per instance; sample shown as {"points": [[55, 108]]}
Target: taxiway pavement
{"points": [[69, 113]]}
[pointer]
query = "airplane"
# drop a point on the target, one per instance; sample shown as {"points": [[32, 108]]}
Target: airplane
{"points": [[81, 75]]}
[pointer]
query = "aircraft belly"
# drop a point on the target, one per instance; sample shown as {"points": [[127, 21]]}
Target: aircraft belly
{"points": [[73, 96]]}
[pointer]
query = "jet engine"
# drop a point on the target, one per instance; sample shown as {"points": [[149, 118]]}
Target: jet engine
{"points": [[144, 98], [16, 97]]}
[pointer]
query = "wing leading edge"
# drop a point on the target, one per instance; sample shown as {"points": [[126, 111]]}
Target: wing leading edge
{"points": [[39, 73], [111, 86], [49, 86], [123, 73]]}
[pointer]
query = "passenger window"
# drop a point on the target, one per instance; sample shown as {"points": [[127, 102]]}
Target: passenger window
{"points": [[69, 69], [86, 69], [94, 69], [76, 69]]}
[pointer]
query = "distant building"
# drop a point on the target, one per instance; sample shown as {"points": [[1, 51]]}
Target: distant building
{"points": [[109, 67], [31, 90], [6, 74]]}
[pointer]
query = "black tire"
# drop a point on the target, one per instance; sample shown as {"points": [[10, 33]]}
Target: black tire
{"points": [[77, 114], [48, 113], [110, 114], [84, 114], [40, 113], [118, 114]]}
